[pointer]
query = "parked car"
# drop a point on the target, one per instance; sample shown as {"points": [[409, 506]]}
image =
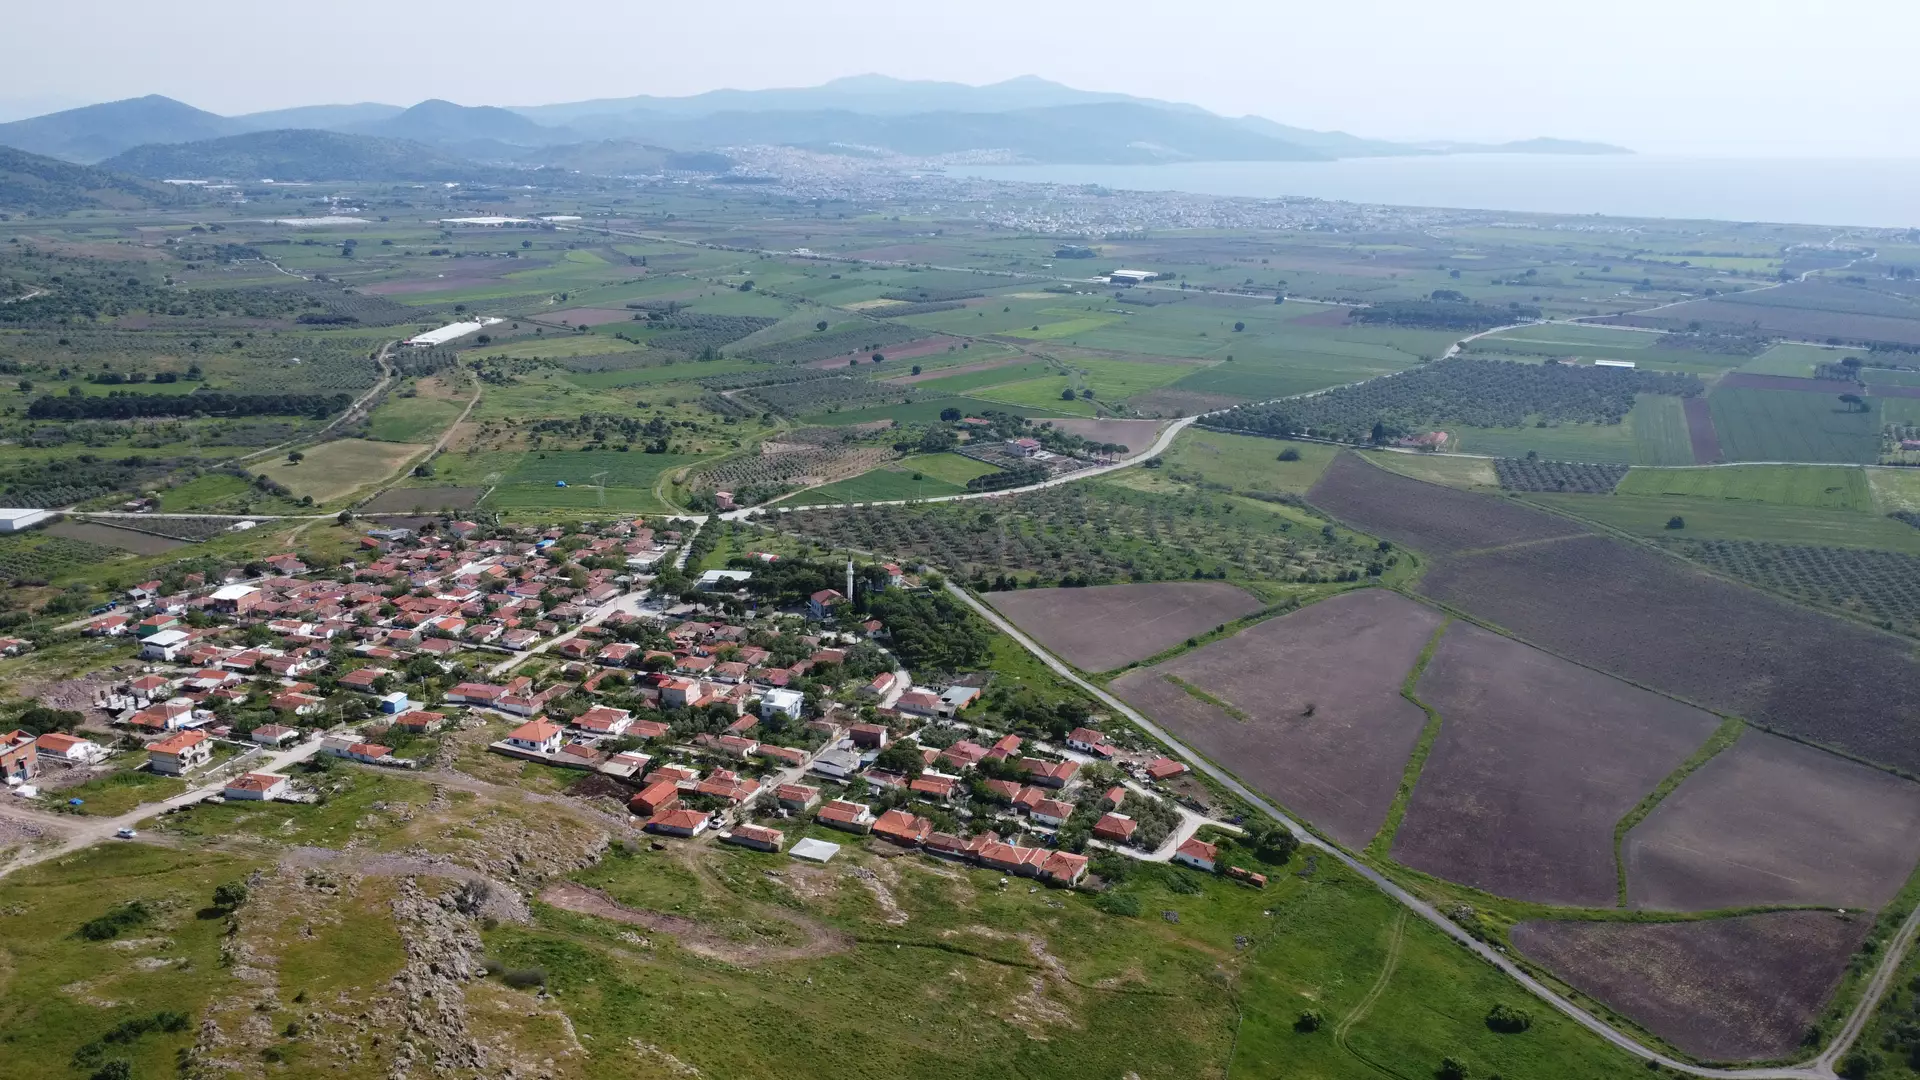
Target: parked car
{"points": [[126, 834]]}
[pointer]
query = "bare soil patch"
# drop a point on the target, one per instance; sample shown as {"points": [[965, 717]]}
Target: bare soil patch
{"points": [[1135, 435], [1105, 626], [1423, 516], [959, 369], [404, 500], [1333, 316], [455, 276], [1536, 759], [587, 316], [1165, 402], [1752, 381], [1327, 733], [922, 347], [1740, 989], [1700, 432], [1772, 821], [1653, 620], [1805, 324], [94, 532], [696, 938]]}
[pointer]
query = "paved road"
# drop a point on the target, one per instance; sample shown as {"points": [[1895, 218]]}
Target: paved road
{"points": [[85, 831], [1820, 1068], [1159, 446], [627, 602]]}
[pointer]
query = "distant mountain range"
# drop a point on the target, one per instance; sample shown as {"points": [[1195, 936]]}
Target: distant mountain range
{"points": [[45, 185], [1026, 119], [298, 154]]}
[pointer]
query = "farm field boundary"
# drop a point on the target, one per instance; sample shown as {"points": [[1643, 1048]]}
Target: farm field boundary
{"points": [[1818, 1069], [1729, 731], [1382, 843]]}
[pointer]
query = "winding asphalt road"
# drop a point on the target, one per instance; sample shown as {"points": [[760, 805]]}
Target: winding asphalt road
{"points": [[1820, 1068]]}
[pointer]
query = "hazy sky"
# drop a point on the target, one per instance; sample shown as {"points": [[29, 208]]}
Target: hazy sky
{"points": [[1745, 77]]}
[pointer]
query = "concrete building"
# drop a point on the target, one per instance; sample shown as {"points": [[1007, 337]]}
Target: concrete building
{"points": [[262, 787], [14, 519], [449, 332], [165, 645], [782, 701], [179, 753]]}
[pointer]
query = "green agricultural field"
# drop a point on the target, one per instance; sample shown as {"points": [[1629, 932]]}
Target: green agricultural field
{"points": [[209, 493], [1788, 425], [927, 411], [334, 470], [922, 476], [554, 345], [953, 468], [659, 374], [1660, 433], [1043, 393], [1895, 489], [1462, 472], [578, 467], [1247, 463], [417, 419], [1560, 442], [972, 380], [880, 485], [1721, 519], [1791, 359], [1881, 377], [1825, 487]]}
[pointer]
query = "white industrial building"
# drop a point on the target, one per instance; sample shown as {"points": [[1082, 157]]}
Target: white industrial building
{"points": [[489, 221], [449, 332], [14, 520], [1131, 277]]}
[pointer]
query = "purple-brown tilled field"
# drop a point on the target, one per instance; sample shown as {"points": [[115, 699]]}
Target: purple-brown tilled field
{"points": [[1770, 821], [1643, 616], [1536, 760], [1739, 989], [1426, 517], [1344, 657], [1106, 626], [1651, 619]]}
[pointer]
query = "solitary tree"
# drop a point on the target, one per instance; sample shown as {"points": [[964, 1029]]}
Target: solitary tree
{"points": [[230, 895], [295, 457], [821, 325], [1853, 402], [1239, 326]]}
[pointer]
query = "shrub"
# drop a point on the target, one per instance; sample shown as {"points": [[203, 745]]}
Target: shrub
{"points": [[1289, 454], [1859, 1064], [230, 895], [121, 919], [1452, 1069], [1310, 1020], [523, 978], [1122, 904], [1508, 1020], [1676, 522]]}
